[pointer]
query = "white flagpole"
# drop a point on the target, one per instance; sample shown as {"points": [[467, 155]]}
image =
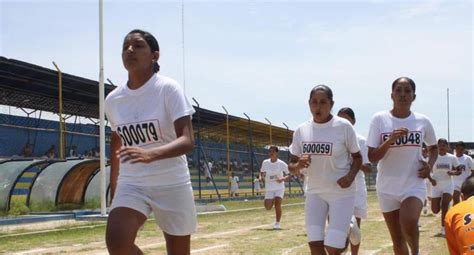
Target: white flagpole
{"points": [[103, 182], [447, 100], [182, 33]]}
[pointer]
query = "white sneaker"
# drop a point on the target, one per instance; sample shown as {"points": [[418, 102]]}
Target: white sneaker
{"points": [[443, 232], [277, 226], [425, 210], [354, 232]]}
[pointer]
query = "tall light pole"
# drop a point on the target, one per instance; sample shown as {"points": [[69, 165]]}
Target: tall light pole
{"points": [[228, 150], [199, 145], [288, 152], [447, 95], [61, 119], [251, 151], [271, 142], [103, 182], [182, 37]]}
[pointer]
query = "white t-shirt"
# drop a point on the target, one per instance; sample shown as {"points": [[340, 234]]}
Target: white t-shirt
{"points": [[330, 146], [72, 153], [398, 169], [466, 166], [273, 171], [443, 164], [304, 172], [145, 118], [207, 169], [234, 182], [256, 184], [360, 177]]}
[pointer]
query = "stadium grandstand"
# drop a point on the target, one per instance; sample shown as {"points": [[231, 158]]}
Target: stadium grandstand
{"points": [[44, 161], [38, 166]]}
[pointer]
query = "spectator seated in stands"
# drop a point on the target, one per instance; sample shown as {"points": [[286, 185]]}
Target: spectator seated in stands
{"points": [[95, 152], [73, 152], [27, 151], [190, 161], [210, 166], [207, 173], [51, 152]]}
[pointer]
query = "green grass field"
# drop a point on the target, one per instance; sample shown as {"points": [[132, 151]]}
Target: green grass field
{"points": [[233, 232]]}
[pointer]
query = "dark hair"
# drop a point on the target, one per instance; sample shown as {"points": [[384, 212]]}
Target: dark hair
{"points": [[442, 140], [273, 147], [467, 188], [412, 83], [323, 88], [151, 41], [349, 112], [461, 143]]}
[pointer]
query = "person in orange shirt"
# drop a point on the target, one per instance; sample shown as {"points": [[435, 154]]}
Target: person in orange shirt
{"points": [[459, 222]]}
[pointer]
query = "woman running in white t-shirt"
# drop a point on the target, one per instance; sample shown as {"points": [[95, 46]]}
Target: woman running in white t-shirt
{"points": [[151, 122], [395, 141], [256, 185], [275, 172], [360, 206], [444, 168], [327, 146]]}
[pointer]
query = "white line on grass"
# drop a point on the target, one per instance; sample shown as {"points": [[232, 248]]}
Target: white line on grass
{"points": [[211, 235], [246, 209], [235, 231], [210, 248], [290, 250], [389, 244], [101, 225], [52, 230], [34, 251], [149, 246], [57, 249]]}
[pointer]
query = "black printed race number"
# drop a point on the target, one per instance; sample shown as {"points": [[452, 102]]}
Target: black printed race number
{"points": [[443, 166], [317, 148], [141, 133], [413, 138]]}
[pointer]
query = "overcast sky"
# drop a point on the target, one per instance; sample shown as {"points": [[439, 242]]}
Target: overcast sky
{"points": [[263, 57]]}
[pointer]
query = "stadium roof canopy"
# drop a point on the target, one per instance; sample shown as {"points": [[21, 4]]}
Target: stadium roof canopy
{"points": [[214, 127], [26, 85]]}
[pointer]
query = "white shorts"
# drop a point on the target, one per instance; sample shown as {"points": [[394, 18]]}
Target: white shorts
{"points": [[234, 189], [271, 194], [339, 209], [442, 187], [360, 205], [173, 207], [428, 188], [390, 202], [457, 184]]}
